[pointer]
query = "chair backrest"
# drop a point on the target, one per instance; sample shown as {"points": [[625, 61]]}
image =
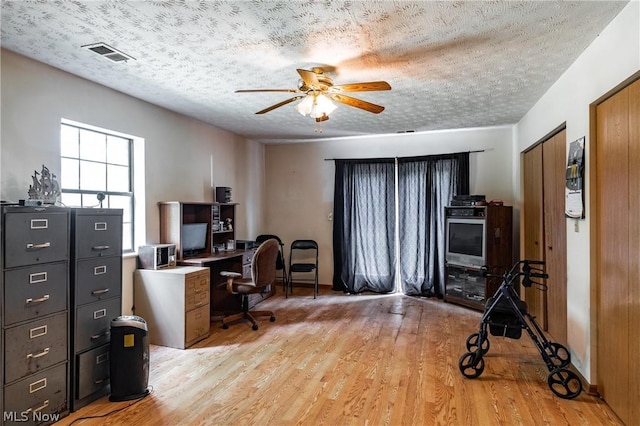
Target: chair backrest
{"points": [[264, 237], [303, 245], [280, 260], [263, 264]]}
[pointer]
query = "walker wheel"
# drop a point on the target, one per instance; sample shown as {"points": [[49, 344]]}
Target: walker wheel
{"points": [[225, 326], [471, 364], [472, 343], [559, 355], [564, 383], [254, 327], [272, 319]]}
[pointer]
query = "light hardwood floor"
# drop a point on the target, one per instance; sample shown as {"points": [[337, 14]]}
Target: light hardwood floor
{"points": [[349, 360]]}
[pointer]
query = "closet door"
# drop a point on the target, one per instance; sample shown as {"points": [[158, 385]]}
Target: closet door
{"points": [[634, 250], [555, 234], [533, 231], [617, 248]]}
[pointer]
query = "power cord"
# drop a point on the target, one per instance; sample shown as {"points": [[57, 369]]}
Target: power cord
{"points": [[117, 410]]}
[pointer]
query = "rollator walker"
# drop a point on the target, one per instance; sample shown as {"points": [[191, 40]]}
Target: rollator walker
{"points": [[506, 315]]}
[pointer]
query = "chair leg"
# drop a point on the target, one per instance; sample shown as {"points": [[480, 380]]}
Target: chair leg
{"points": [[315, 285], [285, 278], [232, 318], [247, 315]]}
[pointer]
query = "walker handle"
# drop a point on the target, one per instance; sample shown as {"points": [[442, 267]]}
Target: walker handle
{"points": [[537, 275]]}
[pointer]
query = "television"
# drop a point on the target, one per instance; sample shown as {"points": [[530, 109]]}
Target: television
{"points": [[194, 238], [465, 241]]}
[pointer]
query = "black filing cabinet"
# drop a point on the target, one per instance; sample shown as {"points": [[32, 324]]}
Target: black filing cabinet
{"points": [[96, 294], [34, 314]]}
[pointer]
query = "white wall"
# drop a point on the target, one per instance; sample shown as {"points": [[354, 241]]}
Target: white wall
{"points": [[299, 182], [609, 60], [178, 155]]}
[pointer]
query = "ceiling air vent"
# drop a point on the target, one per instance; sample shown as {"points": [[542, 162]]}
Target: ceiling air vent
{"points": [[108, 52]]}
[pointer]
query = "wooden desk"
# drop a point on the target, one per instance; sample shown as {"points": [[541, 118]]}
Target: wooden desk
{"points": [[223, 303]]}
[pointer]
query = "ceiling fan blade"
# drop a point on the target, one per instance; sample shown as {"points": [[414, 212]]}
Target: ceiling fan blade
{"points": [[278, 105], [267, 90], [310, 78], [358, 103], [362, 87]]}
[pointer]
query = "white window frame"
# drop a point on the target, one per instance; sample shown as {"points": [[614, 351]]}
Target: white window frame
{"points": [[136, 183]]}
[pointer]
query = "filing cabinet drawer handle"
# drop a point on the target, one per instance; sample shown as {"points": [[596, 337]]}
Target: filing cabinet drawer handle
{"points": [[44, 405], [39, 300], [36, 386], [32, 246], [98, 382], [100, 270], [43, 353], [38, 332], [99, 292], [39, 223], [98, 336], [100, 248], [39, 277]]}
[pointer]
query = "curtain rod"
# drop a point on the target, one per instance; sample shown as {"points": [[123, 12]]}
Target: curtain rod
{"points": [[392, 158]]}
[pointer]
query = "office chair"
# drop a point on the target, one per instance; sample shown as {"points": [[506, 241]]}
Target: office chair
{"points": [[303, 267], [280, 263], [263, 274]]}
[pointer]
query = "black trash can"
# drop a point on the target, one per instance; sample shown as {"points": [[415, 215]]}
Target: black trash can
{"points": [[129, 358]]}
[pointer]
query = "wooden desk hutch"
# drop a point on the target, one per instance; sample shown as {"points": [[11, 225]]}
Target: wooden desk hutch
{"points": [[217, 257]]}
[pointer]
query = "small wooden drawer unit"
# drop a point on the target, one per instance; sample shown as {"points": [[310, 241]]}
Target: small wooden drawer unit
{"points": [[175, 304]]}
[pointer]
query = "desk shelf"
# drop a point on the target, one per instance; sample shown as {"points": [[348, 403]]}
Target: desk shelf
{"points": [[174, 214]]}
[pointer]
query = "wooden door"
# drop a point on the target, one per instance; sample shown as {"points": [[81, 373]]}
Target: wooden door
{"points": [[634, 252], [618, 250], [533, 231], [555, 234]]}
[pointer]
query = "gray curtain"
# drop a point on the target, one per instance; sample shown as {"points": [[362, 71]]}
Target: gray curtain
{"points": [[364, 226], [364, 222], [425, 186]]}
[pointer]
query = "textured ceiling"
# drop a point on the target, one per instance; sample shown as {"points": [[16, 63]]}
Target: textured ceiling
{"points": [[450, 64]]}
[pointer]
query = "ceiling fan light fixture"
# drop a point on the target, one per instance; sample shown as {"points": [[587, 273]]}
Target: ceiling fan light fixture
{"points": [[305, 106], [322, 106], [316, 105]]}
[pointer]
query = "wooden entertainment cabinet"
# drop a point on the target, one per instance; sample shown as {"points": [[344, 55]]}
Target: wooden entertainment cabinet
{"points": [[465, 284]]}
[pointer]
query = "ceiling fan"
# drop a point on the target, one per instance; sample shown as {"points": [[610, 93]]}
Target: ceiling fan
{"points": [[318, 91]]}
